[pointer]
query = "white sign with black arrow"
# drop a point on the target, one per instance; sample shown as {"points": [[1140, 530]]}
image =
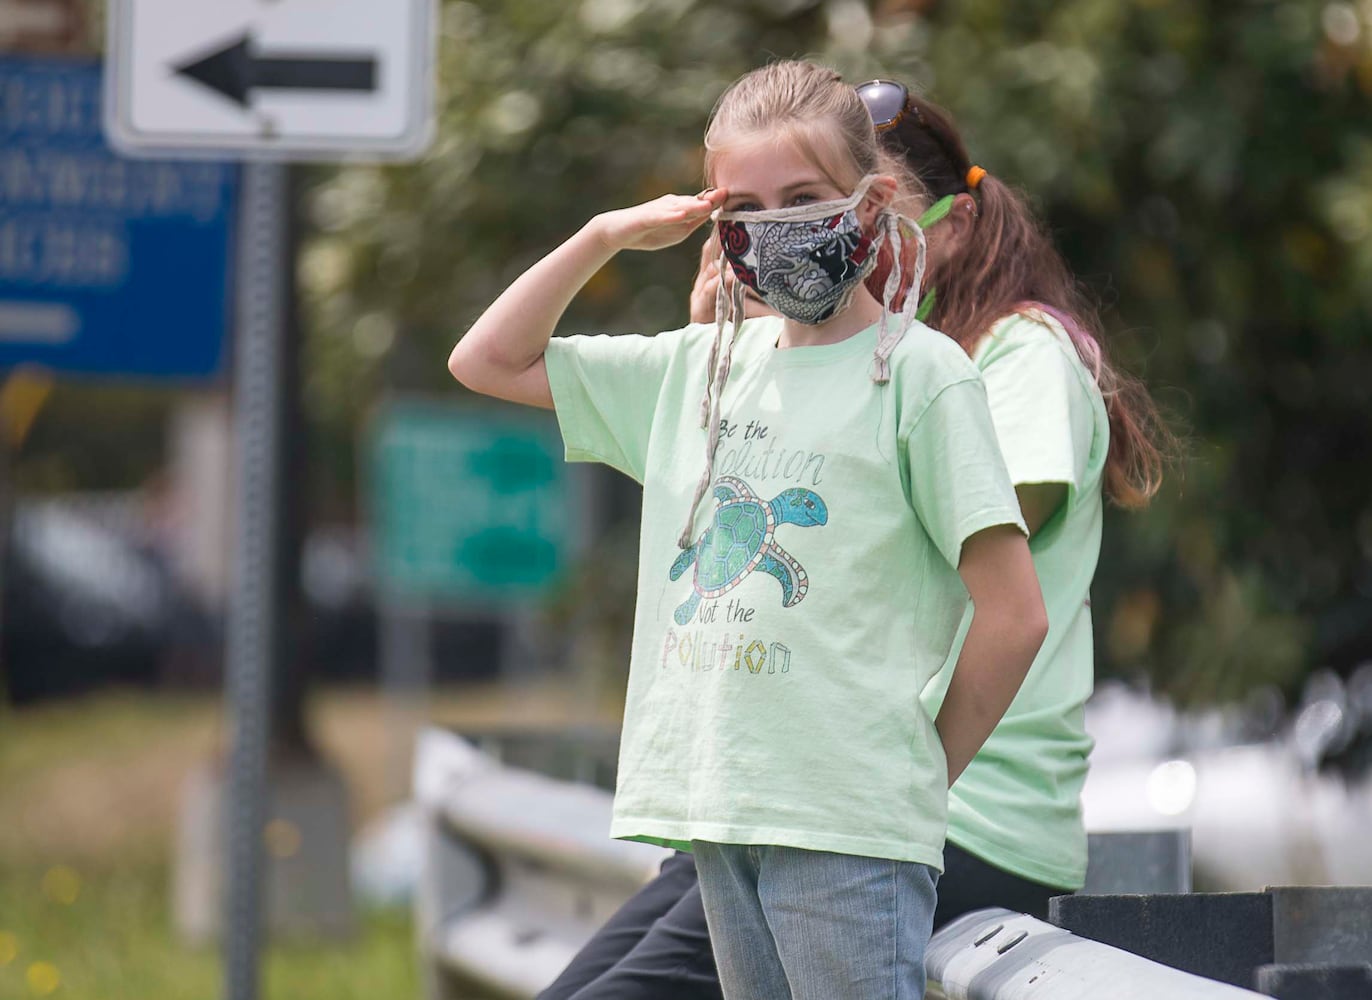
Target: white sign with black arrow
{"points": [[285, 79]]}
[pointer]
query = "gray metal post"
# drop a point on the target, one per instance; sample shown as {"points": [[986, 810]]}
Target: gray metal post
{"points": [[6, 530], [406, 679], [262, 274]]}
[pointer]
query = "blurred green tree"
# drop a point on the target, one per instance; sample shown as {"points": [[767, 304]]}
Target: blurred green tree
{"points": [[1205, 164]]}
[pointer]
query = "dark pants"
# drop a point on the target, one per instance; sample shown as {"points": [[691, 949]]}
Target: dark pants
{"points": [[658, 948]]}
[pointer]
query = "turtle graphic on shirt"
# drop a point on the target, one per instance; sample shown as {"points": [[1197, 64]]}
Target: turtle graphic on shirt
{"points": [[741, 538]]}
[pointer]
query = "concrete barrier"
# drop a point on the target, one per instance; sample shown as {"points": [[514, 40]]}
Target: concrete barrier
{"points": [[1222, 936], [1315, 982], [1287, 941], [1321, 944], [1138, 861]]}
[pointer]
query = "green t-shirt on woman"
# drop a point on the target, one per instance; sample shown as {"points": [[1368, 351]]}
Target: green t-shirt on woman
{"points": [[1018, 803]]}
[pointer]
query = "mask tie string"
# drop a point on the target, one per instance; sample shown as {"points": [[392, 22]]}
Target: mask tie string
{"points": [[714, 345], [887, 341], [718, 376]]}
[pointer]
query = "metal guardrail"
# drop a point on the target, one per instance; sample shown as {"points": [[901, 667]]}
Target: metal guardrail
{"points": [[1000, 955], [519, 872]]}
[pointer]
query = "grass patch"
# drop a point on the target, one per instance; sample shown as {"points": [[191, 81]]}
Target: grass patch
{"points": [[89, 794], [106, 934]]}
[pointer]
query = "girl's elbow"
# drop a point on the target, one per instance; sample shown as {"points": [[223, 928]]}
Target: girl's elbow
{"points": [[463, 367], [1034, 621]]}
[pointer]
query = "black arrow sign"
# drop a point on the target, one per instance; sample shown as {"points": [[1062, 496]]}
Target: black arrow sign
{"points": [[237, 69]]}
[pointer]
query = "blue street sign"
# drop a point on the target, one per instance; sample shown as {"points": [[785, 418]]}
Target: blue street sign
{"points": [[107, 265]]}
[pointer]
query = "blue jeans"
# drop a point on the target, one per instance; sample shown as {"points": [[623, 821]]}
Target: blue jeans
{"points": [[791, 924]]}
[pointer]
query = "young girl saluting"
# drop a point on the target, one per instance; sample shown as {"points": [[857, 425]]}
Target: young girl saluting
{"points": [[842, 494]]}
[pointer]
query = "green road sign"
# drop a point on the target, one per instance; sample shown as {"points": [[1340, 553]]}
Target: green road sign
{"points": [[469, 505]]}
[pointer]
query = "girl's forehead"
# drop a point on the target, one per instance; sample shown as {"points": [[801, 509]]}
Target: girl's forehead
{"points": [[767, 162]]}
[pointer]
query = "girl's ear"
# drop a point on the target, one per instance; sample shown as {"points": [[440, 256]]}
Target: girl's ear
{"points": [[880, 193], [957, 225]]}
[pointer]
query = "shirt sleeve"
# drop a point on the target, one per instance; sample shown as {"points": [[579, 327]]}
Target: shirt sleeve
{"points": [[958, 481], [1041, 412], [605, 393]]}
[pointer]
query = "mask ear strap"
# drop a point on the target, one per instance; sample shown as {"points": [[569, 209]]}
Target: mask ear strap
{"points": [[933, 215], [936, 212], [926, 305]]}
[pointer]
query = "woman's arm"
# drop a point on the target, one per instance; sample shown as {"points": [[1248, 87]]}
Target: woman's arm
{"points": [[1008, 627], [502, 354], [1038, 502]]}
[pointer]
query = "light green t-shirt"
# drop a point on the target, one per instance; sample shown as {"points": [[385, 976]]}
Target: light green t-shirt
{"points": [[1018, 804], [775, 679]]}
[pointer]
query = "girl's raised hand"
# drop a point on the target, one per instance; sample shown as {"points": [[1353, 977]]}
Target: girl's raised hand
{"points": [[662, 222]]}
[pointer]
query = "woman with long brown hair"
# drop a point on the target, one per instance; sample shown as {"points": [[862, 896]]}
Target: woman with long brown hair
{"points": [[1074, 432]]}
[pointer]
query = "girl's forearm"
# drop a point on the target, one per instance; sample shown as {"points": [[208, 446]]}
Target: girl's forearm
{"points": [[502, 354], [507, 341], [1008, 626], [995, 658]]}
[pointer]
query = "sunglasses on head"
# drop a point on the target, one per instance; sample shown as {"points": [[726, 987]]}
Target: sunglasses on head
{"points": [[887, 102]]}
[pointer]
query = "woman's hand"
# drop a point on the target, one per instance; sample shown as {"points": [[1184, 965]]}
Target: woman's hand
{"points": [[662, 222], [707, 284]]}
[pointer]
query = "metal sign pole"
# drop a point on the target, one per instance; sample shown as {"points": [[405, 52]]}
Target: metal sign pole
{"points": [[406, 681], [262, 274]]}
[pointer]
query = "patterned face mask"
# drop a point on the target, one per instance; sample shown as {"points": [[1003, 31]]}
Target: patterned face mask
{"points": [[804, 262]]}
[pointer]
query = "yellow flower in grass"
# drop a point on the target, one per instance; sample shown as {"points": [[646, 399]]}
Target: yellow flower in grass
{"points": [[61, 885], [43, 978], [9, 947]]}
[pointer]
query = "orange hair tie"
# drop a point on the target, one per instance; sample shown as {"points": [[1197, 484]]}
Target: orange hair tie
{"points": [[974, 176]]}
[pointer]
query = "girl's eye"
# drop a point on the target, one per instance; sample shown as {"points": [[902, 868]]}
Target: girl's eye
{"points": [[746, 206], [802, 199]]}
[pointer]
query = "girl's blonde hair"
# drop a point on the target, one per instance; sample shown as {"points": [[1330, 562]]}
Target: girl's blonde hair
{"points": [[810, 107]]}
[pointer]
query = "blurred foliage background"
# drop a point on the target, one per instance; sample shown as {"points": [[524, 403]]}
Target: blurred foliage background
{"points": [[1206, 165]]}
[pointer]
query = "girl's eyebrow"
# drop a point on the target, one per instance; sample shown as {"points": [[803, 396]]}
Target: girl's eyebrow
{"points": [[737, 195]]}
